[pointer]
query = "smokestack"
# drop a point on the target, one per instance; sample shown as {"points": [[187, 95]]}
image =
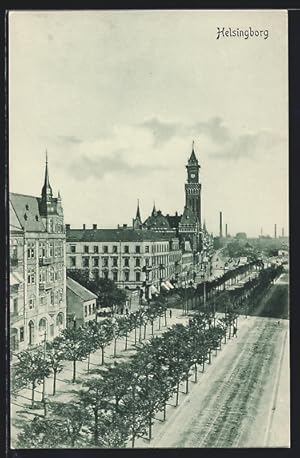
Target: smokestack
{"points": [[261, 231], [221, 225], [83, 227], [282, 232], [275, 231], [226, 230]]}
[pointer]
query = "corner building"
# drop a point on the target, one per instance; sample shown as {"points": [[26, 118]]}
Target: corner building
{"points": [[37, 267]]}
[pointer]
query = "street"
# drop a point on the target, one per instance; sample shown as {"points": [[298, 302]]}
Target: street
{"points": [[242, 398]]}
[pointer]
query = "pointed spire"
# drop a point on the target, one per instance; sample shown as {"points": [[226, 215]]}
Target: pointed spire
{"points": [[138, 213], [154, 209], [58, 195], [193, 160], [46, 190]]}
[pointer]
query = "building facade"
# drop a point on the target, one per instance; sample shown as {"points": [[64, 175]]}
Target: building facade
{"points": [[38, 259], [81, 304], [132, 258]]}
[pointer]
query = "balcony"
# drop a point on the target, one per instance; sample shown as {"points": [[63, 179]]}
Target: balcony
{"points": [[45, 261]]}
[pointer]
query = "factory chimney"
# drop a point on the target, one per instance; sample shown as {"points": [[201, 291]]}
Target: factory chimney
{"points": [[221, 225], [275, 231]]}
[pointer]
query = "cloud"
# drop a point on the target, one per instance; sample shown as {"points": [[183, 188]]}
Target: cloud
{"points": [[250, 146], [161, 131], [97, 167]]}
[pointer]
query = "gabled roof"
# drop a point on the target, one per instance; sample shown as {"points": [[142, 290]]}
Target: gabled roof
{"points": [[79, 290], [188, 217], [115, 235], [157, 220], [14, 223], [26, 209]]}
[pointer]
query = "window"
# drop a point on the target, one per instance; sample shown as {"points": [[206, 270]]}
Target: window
{"points": [[93, 307], [105, 249], [42, 325], [126, 276], [31, 276], [90, 309], [126, 262], [95, 262], [137, 276], [137, 249], [73, 248], [115, 276], [126, 249], [51, 330], [31, 303], [115, 262], [147, 262], [42, 249], [105, 262], [15, 305], [137, 262], [85, 310], [96, 249], [85, 262], [115, 249], [30, 250], [42, 300], [86, 249], [147, 249], [55, 274], [51, 272], [51, 249], [106, 275], [73, 262], [22, 334]]}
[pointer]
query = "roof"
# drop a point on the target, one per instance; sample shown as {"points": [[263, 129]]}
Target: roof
{"points": [[26, 209], [174, 220], [157, 220], [14, 223], [79, 290], [115, 235], [188, 217]]}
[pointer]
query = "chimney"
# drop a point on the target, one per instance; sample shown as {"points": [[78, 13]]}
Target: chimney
{"points": [[68, 227], [221, 225], [282, 232], [83, 227], [94, 226], [226, 230], [275, 231]]}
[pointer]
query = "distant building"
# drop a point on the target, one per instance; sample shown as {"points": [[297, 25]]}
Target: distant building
{"points": [[241, 235], [131, 258], [81, 304], [37, 267]]}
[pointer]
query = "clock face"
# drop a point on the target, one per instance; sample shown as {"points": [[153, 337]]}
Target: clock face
{"points": [[193, 175]]}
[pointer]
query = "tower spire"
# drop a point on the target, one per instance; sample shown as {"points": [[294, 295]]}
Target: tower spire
{"points": [[138, 213], [46, 190], [154, 209]]}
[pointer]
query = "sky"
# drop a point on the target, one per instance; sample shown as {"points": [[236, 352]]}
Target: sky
{"points": [[117, 97]]}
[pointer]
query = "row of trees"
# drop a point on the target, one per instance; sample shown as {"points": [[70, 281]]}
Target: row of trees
{"points": [[120, 404], [77, 344]]}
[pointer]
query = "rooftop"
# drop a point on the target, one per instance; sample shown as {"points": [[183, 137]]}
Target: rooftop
{"points": [[80, 290], [116, 235]]}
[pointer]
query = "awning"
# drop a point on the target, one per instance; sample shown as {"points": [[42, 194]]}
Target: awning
{"points": [[15, 279], [169, 285], [164, 286]]}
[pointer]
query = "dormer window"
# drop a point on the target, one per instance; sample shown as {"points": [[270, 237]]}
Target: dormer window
{"points": [[25, 217], [36, 217], [27, 207]]}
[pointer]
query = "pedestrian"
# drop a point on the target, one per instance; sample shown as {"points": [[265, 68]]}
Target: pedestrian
{"points": [[126, 311], [170, 313], [278, 322], [122, 310], [234, 331]]}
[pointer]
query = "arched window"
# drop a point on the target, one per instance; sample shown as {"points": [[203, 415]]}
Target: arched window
{"points": [[60, 320], [31, 332], [42, 325]]}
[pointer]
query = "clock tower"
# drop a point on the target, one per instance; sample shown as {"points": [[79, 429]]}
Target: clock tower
{"points": [[193, 187]]}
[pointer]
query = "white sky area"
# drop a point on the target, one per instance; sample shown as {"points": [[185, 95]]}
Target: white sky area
{"points": [[118, 97]]}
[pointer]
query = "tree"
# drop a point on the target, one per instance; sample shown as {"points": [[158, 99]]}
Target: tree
{"points": [[95, 399], [72, 416], [55, 355], [32, 367], [125, 326], [42, 433], [74, 347], [104, 336], [117, 379]]}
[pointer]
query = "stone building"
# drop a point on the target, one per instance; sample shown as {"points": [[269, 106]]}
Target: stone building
{"points": [[37, 267], [132, 258]]}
